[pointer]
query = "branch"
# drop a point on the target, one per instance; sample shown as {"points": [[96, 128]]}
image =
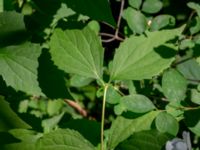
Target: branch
{"points": [[77, 107]]}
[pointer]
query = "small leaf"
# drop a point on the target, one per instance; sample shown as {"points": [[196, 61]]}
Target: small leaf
{"points": [[98, 9], [195, 96], [152, 139], [152, 6], [135, 3], [137, 103], [8, 118], [166, 123], [194, 6], [79, 81], [19, 67], [135, 19], [162, 21], [122, 128], [137, 54], [186, 43], [77, 51], [174, 85], [195, 25], [190, 70], [62, 139], [112, 96]]}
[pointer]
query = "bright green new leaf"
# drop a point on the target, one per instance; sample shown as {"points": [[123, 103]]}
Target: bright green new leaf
{"points": [[19, 67], [195, 96], [122, 127], [162, 21], [135, 19], [64, 139], [152, 6], [174, 85], [77, 51], [136, 103], [8, 118], [138, 56], [166, 123], [152, 140], [135, 3], [97, 10]]}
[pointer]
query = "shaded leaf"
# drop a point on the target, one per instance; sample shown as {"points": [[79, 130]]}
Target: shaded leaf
{"points": [[174, 85], [135, 19], [79, 81], [77, 51], [122, 128], [152, 6], [112, 96], [194, 6], [19, 67], [195, 25], [95, 9], [166, 123], [62, 139], [137, 54], [51, 79], [152, 139], [195, 96], [162, 21], [8, 118]]}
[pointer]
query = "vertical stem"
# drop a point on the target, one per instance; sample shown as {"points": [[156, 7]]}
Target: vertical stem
{"points": [[103, 116]]}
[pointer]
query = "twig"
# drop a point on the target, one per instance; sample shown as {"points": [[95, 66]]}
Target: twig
{"points": [[77, 107], [116, 35]]}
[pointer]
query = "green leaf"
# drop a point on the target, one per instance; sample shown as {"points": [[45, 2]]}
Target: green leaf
{"points": [[135, 19], [54, 107], [11, 32], [195, 25], [1, 5], [8, 118], [79, 81], [85, 126], [152, 6], [195, 96], [98, 9], [152, 139], [194, 6], [135, 3], [64, 139], [190, 70], [166, 123], [19, 67], [136, 103], [77, 51], [112, 96], [192, 120], [174, 85], [27, 139], [162, 21], [137, 54], [186, 43], [122, 127]]}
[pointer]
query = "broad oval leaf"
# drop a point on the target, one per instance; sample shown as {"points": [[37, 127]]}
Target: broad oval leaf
{"points": [[19, 67], [152, 6], [174, 85], [64, 139], [135, 19], [77, 51], [167, 123], [137, 103], [138, 57], [135, 3], [195, 96], [123, 127]]}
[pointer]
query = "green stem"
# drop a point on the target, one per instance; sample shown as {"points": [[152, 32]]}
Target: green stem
{"points": [[103, 116]]}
